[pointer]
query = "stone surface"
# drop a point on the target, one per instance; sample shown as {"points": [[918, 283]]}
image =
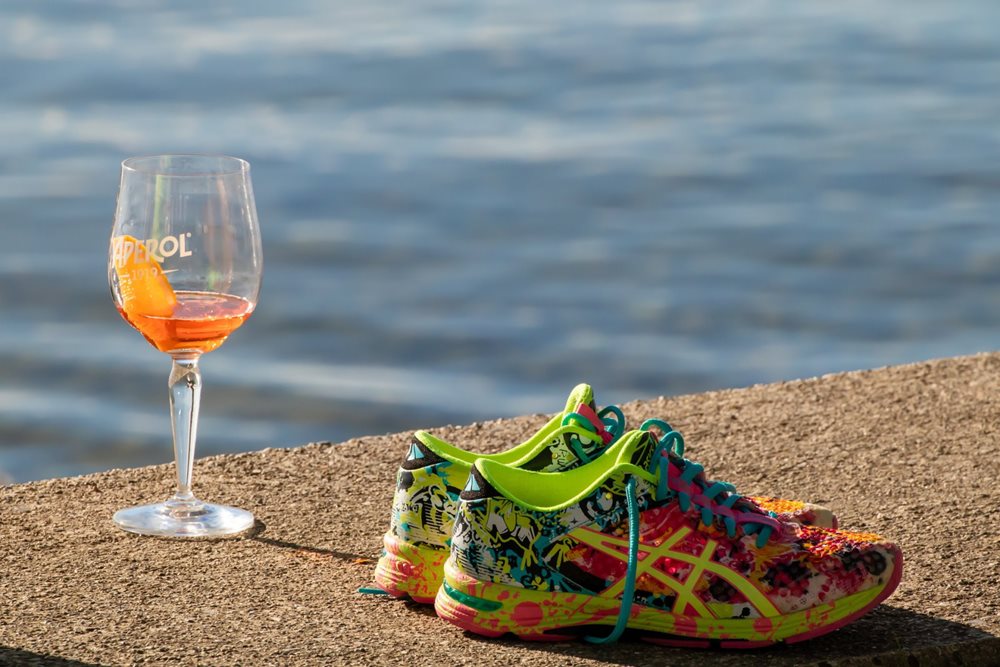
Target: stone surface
{"points": [[910, 452]]}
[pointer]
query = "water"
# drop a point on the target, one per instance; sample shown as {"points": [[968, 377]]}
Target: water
{"points": [[469, 206]]}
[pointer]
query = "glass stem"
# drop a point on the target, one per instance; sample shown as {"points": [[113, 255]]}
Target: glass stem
{"points": [[185, 396]]}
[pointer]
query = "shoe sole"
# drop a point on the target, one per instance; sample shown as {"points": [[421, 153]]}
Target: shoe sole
{"points": [[408, 570], [493, 610]]}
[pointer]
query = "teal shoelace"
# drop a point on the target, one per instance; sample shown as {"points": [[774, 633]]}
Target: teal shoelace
{"points": [[693, 487], [628, 594], [686, 480]]}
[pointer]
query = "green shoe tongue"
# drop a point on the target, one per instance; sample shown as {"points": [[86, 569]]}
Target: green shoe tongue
{"points": [[582, 393], [637, 448]]}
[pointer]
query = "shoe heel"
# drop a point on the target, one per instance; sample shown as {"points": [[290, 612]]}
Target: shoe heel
{"points": [[410, 570], [493, 610]]}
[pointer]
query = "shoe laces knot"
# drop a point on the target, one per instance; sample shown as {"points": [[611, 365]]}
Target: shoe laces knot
{"points": [[608, 425]]}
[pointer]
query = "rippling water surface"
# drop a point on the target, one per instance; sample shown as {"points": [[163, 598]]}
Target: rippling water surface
{"points": [[467, 207]]}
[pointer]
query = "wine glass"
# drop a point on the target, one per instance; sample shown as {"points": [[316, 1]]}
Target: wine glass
{"points": [[185, 269]]}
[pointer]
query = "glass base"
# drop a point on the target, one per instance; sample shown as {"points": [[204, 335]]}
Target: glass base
{"points": [[184, 518]]}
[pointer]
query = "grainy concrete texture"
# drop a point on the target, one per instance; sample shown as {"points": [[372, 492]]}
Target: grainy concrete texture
{"points": [[910, 452]]}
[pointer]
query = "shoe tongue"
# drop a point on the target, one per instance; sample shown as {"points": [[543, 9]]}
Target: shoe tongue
{"points": [[582, 393], [584, 409], [637, 448]]}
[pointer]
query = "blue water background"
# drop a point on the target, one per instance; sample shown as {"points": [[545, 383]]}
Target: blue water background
{"points": [[467, 207]]}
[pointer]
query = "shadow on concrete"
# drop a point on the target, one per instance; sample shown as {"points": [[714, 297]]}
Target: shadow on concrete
{"points": [[887, 636], [256, 534], [14, 656]]}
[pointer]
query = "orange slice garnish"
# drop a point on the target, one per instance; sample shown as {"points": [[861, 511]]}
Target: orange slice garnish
{"points": [[143, 288]]}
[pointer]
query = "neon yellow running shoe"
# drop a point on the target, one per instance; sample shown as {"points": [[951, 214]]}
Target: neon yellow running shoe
{"points": [[640, 540], [431, 477]]}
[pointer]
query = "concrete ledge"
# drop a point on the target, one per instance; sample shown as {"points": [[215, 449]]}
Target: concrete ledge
{"points": [[910, 452]]}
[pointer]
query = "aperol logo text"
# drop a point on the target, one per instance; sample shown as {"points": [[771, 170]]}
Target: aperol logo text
{"points": [[125, 251]]}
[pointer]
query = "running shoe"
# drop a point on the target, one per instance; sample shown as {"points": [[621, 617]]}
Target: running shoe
{"points": [[431, 477], [641, 540]]}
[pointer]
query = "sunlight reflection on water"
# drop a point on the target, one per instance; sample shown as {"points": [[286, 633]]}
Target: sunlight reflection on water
{"points": [[469, 207]]}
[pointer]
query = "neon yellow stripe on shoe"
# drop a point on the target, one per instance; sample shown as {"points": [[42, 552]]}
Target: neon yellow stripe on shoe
{"points": [[648, 556]]}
